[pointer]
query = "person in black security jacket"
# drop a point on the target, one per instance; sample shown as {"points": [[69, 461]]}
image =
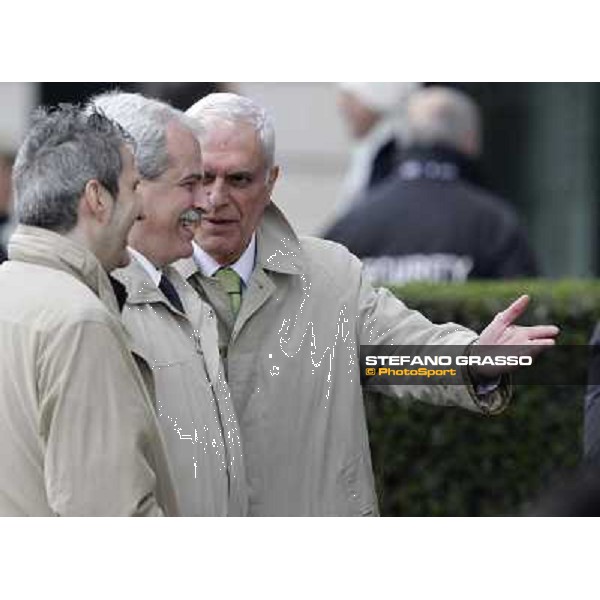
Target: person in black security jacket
{"points": [[430, 222]]}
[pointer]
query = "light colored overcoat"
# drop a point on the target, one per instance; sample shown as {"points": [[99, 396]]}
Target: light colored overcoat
{"points": [[293, 369], [192, 398], [78, 432]]}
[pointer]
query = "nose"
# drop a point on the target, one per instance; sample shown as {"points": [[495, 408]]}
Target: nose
{"points": [[214, 194], [200, 198]]}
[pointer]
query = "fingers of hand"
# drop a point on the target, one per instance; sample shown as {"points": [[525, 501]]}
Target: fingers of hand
{"points": [[514, 311], [542, 331]]}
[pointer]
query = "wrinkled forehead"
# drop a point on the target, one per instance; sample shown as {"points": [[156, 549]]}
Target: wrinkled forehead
{"points": [[183, 149], [230, 145]]}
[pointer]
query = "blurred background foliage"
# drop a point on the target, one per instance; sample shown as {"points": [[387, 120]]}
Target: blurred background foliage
{"points": [[433, 461]]}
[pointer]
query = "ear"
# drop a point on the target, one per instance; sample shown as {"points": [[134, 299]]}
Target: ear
{"points": [[96, 201], [273, 175]]}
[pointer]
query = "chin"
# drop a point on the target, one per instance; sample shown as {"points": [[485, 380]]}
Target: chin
{"points": [[124, 260], [220, 252], [185, 251]]}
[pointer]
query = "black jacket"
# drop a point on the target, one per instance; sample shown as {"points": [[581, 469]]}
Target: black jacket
{"points": [[385, 162], [428, 223], [591, 420]]}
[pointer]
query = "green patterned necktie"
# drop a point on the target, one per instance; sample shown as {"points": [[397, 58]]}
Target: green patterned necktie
{"points": [[232, 284]]}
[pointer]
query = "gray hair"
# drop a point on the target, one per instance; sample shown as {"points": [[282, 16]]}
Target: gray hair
{"points": [[440, 116], [237, 109], [146, 120], [64, 149]]}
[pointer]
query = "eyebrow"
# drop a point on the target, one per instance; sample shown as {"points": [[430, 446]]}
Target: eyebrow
{"points": [[191, 178], [236, 173]]}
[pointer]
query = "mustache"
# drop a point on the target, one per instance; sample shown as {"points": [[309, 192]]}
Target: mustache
{"points": [[192, 216]]}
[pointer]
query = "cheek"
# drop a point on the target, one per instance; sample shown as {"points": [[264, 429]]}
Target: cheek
{"points": [[254, 211]]}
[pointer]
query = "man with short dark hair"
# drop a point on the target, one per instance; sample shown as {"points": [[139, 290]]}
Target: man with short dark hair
{"points": [[78, 433]]}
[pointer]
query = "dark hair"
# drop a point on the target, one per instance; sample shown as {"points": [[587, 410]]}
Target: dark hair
{"points": [[64, 149]]}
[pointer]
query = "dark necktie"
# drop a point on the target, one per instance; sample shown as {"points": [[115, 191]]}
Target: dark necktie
{"points": [[167, 288], [232, 284], [120, 292]]}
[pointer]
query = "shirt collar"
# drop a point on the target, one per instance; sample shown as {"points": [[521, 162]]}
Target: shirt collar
{"points": [[243, 266], [154, 273]]}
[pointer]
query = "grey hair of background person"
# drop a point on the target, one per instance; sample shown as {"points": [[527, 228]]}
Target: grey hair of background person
{"points": [[236, 110], [64, 149], [146, 120], [441, 116]]}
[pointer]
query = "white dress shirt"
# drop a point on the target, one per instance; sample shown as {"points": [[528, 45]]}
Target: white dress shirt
{"points": [[243, 266], [154, 273]]}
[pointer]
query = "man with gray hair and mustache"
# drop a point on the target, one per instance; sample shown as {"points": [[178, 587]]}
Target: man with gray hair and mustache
{"points": [[171, 327]]}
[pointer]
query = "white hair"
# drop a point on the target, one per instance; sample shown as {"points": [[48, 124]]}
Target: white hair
{"points": [[384, 98], [236, 109], [146, 120], [440, 116]]}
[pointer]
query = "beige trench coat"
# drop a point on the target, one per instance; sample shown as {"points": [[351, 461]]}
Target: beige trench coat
{"points": [[293, 369], [192, 399], [78, 433]]}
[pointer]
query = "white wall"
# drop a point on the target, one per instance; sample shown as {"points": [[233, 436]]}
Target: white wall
{"points": [[16, 102], [312, 144]]}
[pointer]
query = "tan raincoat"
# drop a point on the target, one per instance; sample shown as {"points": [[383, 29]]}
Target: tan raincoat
{"points": [[293, 370], [78, 433], [192, 398]]}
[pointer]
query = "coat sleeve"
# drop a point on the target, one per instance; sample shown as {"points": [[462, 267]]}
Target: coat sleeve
{"points": [[101, 441], [385, 320]]}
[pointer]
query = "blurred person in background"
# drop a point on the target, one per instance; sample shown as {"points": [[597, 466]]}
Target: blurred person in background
{"points": [[374, 115], [591, 416], [571, 494], [78, 433], [429, 222], [6, 162], [171, 327], [292, 312]]}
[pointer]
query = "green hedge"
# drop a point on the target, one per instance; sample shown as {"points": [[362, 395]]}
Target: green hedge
{"points": [[440, 461]]}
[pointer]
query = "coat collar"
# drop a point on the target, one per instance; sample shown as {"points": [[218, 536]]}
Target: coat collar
{"points": [[464, 167], [278, 246], [140, 287], [50, 249], [142, 290]]}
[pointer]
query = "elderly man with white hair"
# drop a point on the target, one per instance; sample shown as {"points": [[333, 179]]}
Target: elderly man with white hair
{"points": [[293, 312]]}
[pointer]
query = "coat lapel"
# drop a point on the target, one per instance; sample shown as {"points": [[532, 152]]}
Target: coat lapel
{"points": [[259, 291]]}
